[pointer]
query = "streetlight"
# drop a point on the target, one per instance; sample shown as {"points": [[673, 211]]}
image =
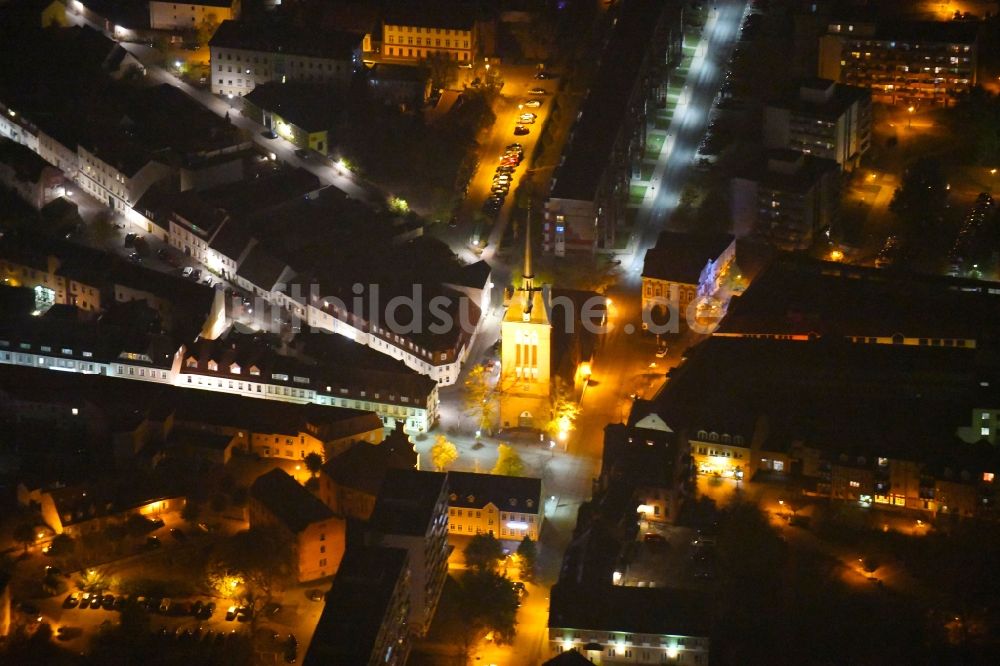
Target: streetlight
{"points": [[909, 118]]}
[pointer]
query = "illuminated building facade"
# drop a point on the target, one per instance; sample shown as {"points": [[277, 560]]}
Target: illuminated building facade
{"points": [[244, 54], [902, 62], [505, 507], [526, 355]]}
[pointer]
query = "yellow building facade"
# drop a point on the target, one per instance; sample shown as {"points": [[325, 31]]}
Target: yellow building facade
{"points": [[526, 357]]}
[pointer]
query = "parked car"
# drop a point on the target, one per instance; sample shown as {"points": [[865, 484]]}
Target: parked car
{"points": [[538, 91], [71, 601], [269, 134], [231, 613], [165, 605], [178, 534], [315, 595], [130, 240], [303, 153], [521, 130], [108, 603], [533, 103]]}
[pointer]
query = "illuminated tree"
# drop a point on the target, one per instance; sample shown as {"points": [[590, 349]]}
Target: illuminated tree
{"points": [[509, 462], [480, 398], [206, 28], [443, 453], [565, 411], [248, 567]]}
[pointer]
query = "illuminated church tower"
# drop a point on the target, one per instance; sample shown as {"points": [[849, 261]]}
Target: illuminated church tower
{"points": [[526, 348]]}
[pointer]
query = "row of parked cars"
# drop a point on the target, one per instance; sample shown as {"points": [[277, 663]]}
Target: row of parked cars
{"points": [[502, 179], [165, 606]]}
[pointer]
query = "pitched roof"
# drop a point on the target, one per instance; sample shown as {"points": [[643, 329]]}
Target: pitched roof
{"points": [[636, 610], [407, 501], [430, 14], [680, 257], [26, 163], [312, 107], [262, 269], [277, 36], [294, 506], [363, 466], [507, 493]]}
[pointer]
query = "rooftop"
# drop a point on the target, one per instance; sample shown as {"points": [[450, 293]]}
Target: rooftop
{"points": [[681, 257], [294, 506], [603, 112], [313, 108], [25, 163], [821, 98], [789, 171], [407, 501], [507, 493], [430, 14], [363, 466], [797, 296], [277, 36], [635, 610], [357, 607]]}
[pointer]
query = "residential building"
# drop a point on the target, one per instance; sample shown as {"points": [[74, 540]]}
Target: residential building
{"points": [[687, 267], [349, 482], [826, 119], [902, 62], [244, 54], [628, 625], [399, 84], [32, 179], [202, 446], [796, 298], [89, 508], [884, 425], [412, 513], [416, 31], [317, 535], [645, 456], [304, 114], [365, 613], [509, 508], [788, 204], [586, 207], [272, 429], [169, 15]]}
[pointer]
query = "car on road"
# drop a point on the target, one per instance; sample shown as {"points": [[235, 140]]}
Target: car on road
{"points": [[524, 120], [303, 153], [533, 103], [134, 257], [521, 130], [244, 614], [188, 271], [661, 349], [231, 614], [130, 240], [197, 607], [527, 115], [653, 537], [315, 595], [71, 601], [153, 542], [538, 91], [269, 134]]}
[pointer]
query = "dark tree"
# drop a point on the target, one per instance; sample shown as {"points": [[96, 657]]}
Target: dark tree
{"points": [[314, 463], [489, 603], [921, 198], [483, 552], [24, 534], [528, 552]]}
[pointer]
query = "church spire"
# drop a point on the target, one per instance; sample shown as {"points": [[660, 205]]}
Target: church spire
{"points": [[527, 280]]}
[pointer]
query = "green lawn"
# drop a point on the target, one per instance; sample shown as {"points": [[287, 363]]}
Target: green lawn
{"points": [[647, 170], [636, 194], [654, 144], [662, 122]]}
